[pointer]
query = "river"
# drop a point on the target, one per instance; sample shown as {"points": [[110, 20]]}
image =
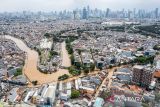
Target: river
{"points": [[65, 56], [31, 61]]}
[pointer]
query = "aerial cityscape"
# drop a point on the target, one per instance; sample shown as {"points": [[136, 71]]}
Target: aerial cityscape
{"points": [[79, 53]]}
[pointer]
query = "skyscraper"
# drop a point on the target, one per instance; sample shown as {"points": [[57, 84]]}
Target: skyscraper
{"points": [[107, 12], [156, 13], [129, 14], [134, 12], [74, 14], [84, 16], [88, 11]]}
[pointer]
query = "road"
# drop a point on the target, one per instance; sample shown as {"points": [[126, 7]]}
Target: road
{"points": [[109, 77]]}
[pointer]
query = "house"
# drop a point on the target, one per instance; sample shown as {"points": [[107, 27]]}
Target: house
{"points": [[21, 78], [28, 96], [11, 72], [13, 95], [69, 89], [150, 52], [124, 78], [65, 90], [152, 85], [45, 44], [63, 96], [99, 63], [88, 84], [99, 102], [110, 60], [49, 93], [123, 70], [126, 53], [96, 80], [149, 96], [2, 73], [132, 104]]}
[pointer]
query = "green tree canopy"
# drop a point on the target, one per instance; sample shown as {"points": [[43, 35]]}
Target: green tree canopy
{"points": [[92, 67], [47, 35], [75, 94], [18, 72]]}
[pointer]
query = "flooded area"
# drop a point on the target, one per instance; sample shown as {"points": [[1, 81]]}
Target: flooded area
{"points": [[65, 56], [31, 61]]}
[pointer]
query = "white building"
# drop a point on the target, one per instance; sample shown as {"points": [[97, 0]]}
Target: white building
{"points": [[45, 44]]}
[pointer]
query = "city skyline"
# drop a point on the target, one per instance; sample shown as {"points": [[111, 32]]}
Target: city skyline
{"points": [[53, 5]]}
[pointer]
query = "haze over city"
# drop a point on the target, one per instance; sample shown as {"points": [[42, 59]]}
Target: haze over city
{"points": [[57, 5]]}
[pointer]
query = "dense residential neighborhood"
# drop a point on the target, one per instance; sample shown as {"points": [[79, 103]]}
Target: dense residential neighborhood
{"points": [[77, 59]]}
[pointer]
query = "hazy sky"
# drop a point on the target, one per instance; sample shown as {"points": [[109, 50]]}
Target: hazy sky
{"points": [[52, 5]]}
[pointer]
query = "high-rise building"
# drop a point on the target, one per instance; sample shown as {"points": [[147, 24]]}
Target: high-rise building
{"points": [[134, 12], [84, 16], [74, 14], [107, 12], [142, 75], [129, 14], [88, 11], [156, 13], [137, 72], [147, 76]]}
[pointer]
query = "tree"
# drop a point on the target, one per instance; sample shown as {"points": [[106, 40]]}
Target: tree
{"points": [[157, 97], [140, 49], [86, 70], [91, 50], [53, 53], [75, 94], [100, 67], [78, 65], [18, 72], [156, 47], [79, 51], [74, 71], [124, 63], [145, 105], [71, 69], [119, 64], [68, 44], [70, 50], [54, 64], [110, 66], [47, 35], [105, 94], [38, 50], [72, 59], [92, 67], [63, 77], [34, 82], [144, 59]]}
